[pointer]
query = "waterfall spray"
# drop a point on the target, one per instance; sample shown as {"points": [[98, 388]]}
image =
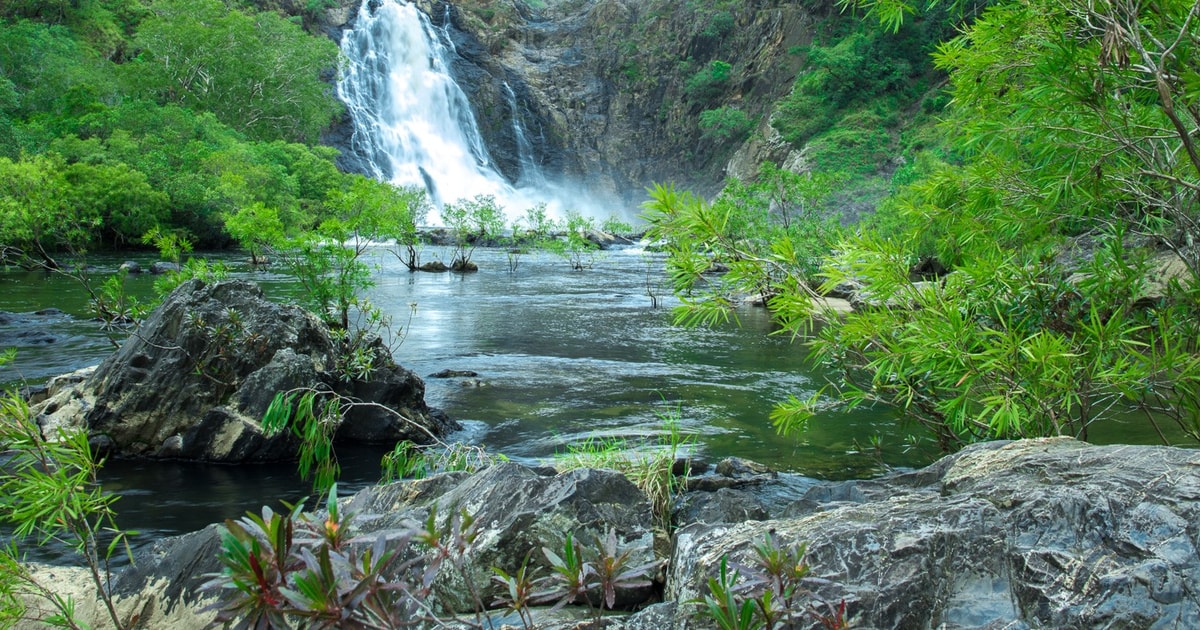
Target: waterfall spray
{"points": [[413, 124]]}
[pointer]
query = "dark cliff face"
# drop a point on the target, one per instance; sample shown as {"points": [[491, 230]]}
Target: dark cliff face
{"points": [[607, 90], [609, 85]]}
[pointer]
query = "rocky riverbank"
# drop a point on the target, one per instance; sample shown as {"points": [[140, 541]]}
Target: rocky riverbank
{"points": [[1035, 533], [197, 377]]}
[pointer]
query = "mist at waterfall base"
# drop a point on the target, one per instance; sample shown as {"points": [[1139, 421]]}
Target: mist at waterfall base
{"points": [[414, 126]]}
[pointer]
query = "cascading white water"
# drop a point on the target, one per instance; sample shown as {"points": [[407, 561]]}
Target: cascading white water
{"points": [[531, 172], [412, 123]]}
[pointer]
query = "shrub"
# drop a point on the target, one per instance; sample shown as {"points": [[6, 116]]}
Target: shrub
{"points": [[709, 83], [726, 124]]}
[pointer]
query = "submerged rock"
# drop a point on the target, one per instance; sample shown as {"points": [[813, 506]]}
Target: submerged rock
{"points": [[196, 378], [161, 267]]}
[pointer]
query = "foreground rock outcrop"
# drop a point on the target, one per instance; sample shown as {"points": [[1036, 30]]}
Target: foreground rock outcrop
{"points": [[195, 379], [1036, 533]]}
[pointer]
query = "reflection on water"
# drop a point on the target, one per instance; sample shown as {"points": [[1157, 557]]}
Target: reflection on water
{"points": [[561, 356]]}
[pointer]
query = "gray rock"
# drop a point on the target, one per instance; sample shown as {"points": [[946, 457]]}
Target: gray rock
{"points": [[758, 498], [130, 266], [1043, 533], [435, 266], [448, 373], [162, 267], [519, 510], [205, 365], [1030, 534]]}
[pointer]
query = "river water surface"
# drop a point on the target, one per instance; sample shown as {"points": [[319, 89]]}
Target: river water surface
{"points": [[562, 356]]}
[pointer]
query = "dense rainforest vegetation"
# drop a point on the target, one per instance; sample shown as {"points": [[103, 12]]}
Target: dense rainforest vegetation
{"points": [[119, 116], [1030, 268], [1032, 273]]}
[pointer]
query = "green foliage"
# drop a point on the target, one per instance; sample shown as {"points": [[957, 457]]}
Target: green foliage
{"points": [[328, 261], [267, 86], [48, 205], [114, 307], [471, 221], [708, 83], [869, 68], [299, 569], [519, 589], [49, 491], [403, 228], [69, 86], [649, 465], [860, 144], [257, 228], [772, 593], [1054, 107], [770, 235], [719, 24], [726, 124], [314, 420], [724, 607], [575, 245], [602, 565], [616, 225], [46, 69], [35, 218], [410, 461]]}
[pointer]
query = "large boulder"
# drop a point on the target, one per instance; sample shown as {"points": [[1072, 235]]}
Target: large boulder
{"points": [[196, 378], [1037, 533], [516, 509], [519, 510]]}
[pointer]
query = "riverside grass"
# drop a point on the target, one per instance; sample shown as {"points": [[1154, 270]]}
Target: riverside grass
{"points": [[650, 465]]}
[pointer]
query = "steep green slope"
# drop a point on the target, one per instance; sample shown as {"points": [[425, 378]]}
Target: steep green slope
{"points": [[117, 116]]}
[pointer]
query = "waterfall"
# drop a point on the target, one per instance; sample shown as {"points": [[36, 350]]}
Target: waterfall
{"points": [[414, 126], [412, 123], [531, 172]]}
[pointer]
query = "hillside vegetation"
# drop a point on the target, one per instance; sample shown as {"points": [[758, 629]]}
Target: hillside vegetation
{"points": [[1035, 274], [117, 116]]}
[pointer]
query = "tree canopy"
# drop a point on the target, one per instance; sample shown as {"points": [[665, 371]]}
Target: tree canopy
{"points": [[172, 115], [1061, 222]]}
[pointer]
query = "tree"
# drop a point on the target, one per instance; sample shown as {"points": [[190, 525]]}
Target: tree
{"points": [[327, 261], [122, 197], [36, 219], [1074, 123], [260, 74], [257, 228], [404, 228], [471, 221]]}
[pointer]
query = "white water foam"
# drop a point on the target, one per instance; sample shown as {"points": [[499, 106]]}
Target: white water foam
{"points": [[414, 125]]}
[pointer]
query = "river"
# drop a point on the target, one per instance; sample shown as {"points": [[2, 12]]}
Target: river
{"points": [[561, 356]]}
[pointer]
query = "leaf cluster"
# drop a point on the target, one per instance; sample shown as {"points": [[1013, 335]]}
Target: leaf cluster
{"points": [[773, 592], [49, 491], [300, 568]]}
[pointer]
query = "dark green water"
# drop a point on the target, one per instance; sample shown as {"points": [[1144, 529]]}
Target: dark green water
{"points": [[562, 356]]}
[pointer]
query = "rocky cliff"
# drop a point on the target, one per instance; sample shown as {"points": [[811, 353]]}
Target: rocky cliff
{"points": [[611, 91]]}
